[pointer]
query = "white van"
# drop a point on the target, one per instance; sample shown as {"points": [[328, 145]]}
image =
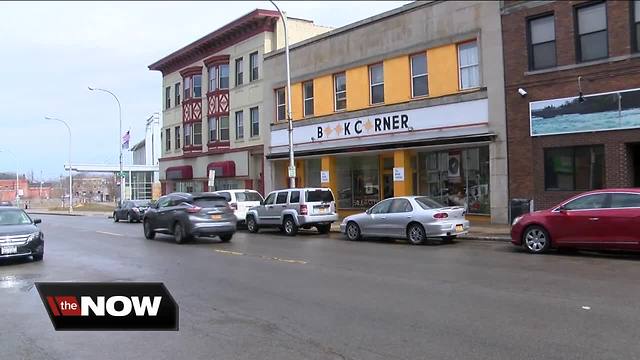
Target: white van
{"points": [[241, 200]]}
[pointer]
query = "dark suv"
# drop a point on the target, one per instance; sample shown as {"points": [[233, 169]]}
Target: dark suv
{"points": [[187, 215]]}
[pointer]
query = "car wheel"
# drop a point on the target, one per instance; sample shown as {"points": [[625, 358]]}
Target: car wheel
{"points": [[148, 232], [353, 231], [226, 237], [447, 239], [416, 234], [536, 239], [252, 226], [178, 233], [38, 257], [290, 227], [129, 218], [115, 217], [323, 229]]}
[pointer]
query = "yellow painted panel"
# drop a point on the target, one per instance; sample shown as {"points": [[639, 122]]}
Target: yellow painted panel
{"points": [[402, 159], [328, 163], [296, 101], [442, 65], [300, 173], [357, 88], [397, 86], [323, 95]]}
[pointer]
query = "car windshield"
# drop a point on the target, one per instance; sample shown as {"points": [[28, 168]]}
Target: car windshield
{"points": [[141, 203], [249, 196], [428, 203], [210, 202], [319, 196], [14, 217]]}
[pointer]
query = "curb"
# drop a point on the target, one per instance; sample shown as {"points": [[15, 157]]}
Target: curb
{"points": [[489, 237], [62, 214]]}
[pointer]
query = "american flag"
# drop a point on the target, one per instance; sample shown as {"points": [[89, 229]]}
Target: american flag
{"points": [[125, 140]]}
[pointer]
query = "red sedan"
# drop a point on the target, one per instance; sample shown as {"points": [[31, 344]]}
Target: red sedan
{"points": [[601, 219]]}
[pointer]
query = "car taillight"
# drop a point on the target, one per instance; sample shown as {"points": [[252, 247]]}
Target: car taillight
{"points": [[233, 206], [135, 209], [304, 210], [440, 216], [194, 209]]}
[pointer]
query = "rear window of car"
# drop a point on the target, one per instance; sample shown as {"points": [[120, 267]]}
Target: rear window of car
{"points": [[427, 203], [319, 196], [210, 202], [248, 196], [225, 195], [141, 203]]}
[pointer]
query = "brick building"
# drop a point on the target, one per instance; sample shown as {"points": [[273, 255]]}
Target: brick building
{"points": [[572, 97]]}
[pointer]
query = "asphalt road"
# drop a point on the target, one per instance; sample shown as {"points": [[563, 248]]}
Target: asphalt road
{"points": [[268, 296]]}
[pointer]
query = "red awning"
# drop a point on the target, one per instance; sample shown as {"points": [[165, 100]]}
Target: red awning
{"points": [[179, 172], [223, 168]]}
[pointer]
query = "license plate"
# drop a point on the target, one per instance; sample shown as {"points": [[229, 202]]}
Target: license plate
{"points": [[216, 217], [323, 210], [9, 250], [459, 228]]}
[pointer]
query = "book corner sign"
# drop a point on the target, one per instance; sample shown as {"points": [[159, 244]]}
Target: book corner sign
{"points": [[398, 174]]}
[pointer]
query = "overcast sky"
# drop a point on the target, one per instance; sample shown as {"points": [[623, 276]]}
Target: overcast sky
{"points": [[51, 52]]}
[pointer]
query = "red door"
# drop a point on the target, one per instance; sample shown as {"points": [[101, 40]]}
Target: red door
{"points": [[621, 220], [579, 221]]}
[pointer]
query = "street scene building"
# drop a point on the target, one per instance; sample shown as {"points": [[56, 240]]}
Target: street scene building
{"points": [[212, 104], [410, 101], [572, 97]]}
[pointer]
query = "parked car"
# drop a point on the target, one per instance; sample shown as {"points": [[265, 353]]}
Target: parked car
{"points": [[414, 218], [240, 200], [292, 209], [6, 203], [132, 210], [19, 235], [601, 219], [185, 215]]}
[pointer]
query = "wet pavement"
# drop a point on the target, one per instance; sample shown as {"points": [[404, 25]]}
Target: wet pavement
{"points": [[268, 296]]}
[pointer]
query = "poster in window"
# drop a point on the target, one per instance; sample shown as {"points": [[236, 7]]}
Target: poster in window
{"points": [[454, 165]]}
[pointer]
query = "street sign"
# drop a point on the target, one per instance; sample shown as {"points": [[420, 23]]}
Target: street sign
{"points": [[212, 178], [292, 171]]}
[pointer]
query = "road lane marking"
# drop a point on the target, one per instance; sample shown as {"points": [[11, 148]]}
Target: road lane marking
{"points": [[108, 233], [272, 258], [229, 252]]}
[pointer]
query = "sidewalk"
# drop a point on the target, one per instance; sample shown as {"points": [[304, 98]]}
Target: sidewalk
{"points": [[66, 213], [479, 231]]}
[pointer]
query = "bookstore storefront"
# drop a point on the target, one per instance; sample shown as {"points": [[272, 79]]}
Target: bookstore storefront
{"points": [[450, 164]]}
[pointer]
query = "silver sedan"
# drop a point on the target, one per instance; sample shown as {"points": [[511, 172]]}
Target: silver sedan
{"points": [[414, 218]]}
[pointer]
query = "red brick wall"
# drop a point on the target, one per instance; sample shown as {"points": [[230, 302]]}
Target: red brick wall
{"points": [[526, 159]]}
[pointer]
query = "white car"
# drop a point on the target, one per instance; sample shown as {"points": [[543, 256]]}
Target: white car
{"points": [[241, 200]]}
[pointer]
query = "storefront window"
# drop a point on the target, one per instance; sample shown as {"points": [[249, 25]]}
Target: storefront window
{"points": [[357, 181], [189, 186], [312, 169], [456, 178]]}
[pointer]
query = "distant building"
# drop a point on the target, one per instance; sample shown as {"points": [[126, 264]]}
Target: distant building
{"points": [[28, 190], [212, 97]]}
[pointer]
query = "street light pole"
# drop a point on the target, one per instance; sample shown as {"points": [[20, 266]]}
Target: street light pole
{"points": [[70, 176], [17, 176], [292, 165], [119, 138]]}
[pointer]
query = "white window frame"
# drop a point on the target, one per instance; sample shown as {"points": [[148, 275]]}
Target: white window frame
{"points": [[372, 84], [212, 120], [305, 99], [413, 76], [220, 128], [253, 64], [219, 66], [336, 92], [283, 104], [193, 131], [240, 125], [186, 129], [254, 121], [239, 74], [213, 69], [460, 67]]}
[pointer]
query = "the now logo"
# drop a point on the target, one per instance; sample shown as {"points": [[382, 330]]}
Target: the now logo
{"points": [[109, 306]]}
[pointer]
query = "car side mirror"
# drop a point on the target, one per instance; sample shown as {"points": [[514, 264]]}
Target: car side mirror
{"points": [[37, 221], [562, 209], [368, 212]]}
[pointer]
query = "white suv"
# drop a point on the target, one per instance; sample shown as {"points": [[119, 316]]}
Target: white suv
{"points": [[291, 209], [241, 200]]}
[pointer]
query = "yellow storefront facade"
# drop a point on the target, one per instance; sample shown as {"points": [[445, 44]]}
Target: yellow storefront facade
{"points": [[385, 107]]}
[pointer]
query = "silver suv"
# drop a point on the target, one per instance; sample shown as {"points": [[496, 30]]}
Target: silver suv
{"points": [[291, 209]]}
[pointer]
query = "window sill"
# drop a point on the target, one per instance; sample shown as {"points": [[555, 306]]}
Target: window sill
{"points": [[582, 64]]}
